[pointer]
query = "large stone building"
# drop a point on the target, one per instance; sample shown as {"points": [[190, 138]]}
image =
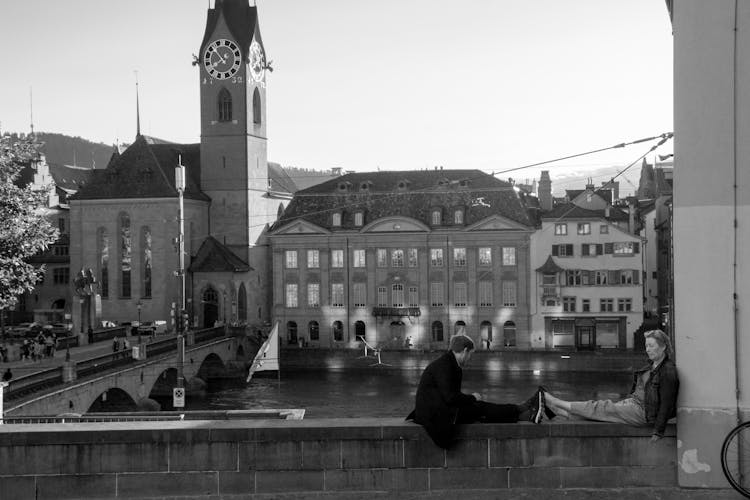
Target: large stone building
{"points": [[404, 258], [124, 222]]}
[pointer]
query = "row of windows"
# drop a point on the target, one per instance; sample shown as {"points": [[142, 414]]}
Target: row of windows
{"points": [[605, 305], [594, 249], [436, 217], [399, 295], [436, 331], [398, 257], [582, 277], [561, 228], [224, 106]]}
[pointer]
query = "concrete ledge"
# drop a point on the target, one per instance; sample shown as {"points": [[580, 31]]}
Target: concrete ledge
{"points": [[361, 457]]}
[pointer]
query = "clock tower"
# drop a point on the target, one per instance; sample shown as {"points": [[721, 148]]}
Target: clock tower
{"points": [[233, 152]]}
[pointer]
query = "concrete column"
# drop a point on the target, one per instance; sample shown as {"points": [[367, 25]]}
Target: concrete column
{"points": [[711, 263]]}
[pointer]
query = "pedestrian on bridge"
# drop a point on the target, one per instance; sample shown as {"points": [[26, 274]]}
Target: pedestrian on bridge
{"points": [[7, 375]]}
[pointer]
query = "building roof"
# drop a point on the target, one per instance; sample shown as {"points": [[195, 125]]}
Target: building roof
{"points": [[572, 211], [213, 256], [146, 170], [414, 193], [241, 19], [68, 177], [549, 266], [604, 194]]}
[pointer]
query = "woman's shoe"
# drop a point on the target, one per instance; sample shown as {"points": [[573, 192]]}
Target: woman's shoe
{"points": [[547, 412]]}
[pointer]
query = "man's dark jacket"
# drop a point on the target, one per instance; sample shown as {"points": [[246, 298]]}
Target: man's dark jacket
{"points": [[439, 399]]}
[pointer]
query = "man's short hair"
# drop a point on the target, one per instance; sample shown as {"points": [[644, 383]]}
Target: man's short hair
{"points": [[461, 342]]}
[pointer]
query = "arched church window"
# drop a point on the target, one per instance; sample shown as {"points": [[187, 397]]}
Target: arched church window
{"points": [[103, 259], [225, 106], [146, 255], [242, 303], [125, 255], [256, 107]]}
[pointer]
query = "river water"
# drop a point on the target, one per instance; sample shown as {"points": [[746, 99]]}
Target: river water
{"points": [[390, 393]]}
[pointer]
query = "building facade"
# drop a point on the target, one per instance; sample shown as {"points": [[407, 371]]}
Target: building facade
{"points": [[404, 259], [586, 275]]}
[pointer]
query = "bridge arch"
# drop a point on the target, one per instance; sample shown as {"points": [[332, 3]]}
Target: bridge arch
{"points": [[113, 399]]}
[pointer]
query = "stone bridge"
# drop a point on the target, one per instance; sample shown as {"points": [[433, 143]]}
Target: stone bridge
{"points": [[133, 386]]}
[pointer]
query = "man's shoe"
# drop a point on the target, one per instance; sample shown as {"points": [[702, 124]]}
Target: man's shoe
{"points": [[547, 412]]}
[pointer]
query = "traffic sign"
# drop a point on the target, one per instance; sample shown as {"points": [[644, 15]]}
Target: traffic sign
{"points": [[178, 397]]}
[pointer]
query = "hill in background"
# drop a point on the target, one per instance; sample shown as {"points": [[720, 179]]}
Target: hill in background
{"points": [[66, 150]]}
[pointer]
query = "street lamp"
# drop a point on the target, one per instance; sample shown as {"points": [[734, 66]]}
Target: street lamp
{"points": [[138, 306]]}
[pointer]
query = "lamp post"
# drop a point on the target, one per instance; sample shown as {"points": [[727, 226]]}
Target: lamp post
{"points": [[138, 306]]}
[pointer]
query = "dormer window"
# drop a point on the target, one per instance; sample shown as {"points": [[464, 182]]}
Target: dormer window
{"points": [[365, 186], [336, 219], [458, 216], [343, 186], [437, 217], [463, 183], [359, 219], [402, 185]]}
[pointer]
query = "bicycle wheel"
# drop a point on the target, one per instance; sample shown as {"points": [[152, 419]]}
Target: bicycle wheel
{"points": [[735, 458]]}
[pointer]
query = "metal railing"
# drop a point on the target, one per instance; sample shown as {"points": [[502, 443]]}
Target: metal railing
{"points": [[282, 414], [28, 384]]}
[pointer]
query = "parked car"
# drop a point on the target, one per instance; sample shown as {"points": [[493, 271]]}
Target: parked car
{"points": [[26, 330], [60, 329]]}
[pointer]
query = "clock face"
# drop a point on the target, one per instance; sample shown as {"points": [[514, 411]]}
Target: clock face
{"points": [[257, 64], [222, 59]]}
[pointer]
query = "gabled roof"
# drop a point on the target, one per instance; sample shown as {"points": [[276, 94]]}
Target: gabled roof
{"points": [[604, 194], [146, 170], [572, 211], [212, 256], [241, 19], [549, 266], [413, 193], [280, 180]]}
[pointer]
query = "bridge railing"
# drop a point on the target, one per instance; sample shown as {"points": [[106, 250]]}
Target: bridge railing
{"points": [[21, 386], [282, 414]]}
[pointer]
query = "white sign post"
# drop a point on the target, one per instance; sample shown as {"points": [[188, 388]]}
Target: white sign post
{"points": [[178, 397]]}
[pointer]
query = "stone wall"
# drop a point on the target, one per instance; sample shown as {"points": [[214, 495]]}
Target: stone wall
{"points": [[336, 458]]}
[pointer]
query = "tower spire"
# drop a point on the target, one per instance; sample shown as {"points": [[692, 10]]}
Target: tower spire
{"points": [[31, 109], [137, 107]]}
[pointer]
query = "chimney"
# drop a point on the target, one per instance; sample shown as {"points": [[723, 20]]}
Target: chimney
{"points": [[545, 191]]}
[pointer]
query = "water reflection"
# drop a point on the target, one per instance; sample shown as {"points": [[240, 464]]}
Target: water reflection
{"points": [[390, 393]]}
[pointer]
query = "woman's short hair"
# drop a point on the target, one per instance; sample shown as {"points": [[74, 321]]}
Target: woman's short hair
{"points": [[461, 342], [662, 339]]}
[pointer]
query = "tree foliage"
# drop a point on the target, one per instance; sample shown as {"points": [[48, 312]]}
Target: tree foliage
{"points": [[24, 231]]}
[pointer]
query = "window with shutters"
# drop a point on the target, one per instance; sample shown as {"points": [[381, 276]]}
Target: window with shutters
{"points": [[601, 277], [591, 249], [624, 248], [562, 250]]}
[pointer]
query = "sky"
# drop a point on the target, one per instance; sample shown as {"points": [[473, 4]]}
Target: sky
{"points": [[365, 85]]}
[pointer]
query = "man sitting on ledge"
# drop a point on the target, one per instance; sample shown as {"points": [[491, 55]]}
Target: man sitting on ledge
{"points": [[441, 406]]}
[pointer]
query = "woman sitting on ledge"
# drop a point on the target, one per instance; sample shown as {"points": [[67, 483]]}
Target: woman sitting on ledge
{"points": [[652, 399]]}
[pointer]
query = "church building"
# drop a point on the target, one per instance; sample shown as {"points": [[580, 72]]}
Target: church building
{"points": [[124, 223]]}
